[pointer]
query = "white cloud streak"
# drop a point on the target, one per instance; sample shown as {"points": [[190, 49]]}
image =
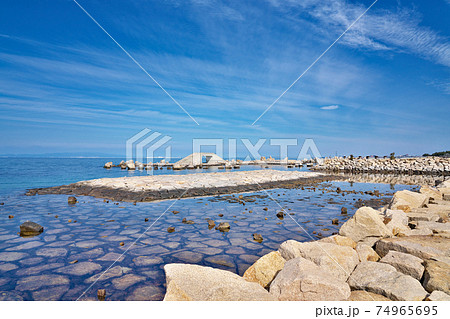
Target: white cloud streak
{"points": [[330, 107]]}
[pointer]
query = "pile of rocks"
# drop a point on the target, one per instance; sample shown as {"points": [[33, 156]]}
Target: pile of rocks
{"points": [[399, 252], [416, 165]]}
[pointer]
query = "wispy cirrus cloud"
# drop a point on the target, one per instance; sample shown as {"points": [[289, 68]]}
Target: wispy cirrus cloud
{"points": [[379, 29], [330, 107]]}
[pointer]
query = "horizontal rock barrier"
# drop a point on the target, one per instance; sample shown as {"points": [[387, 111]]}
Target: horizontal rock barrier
{"points": [[161, 187], [411, 166]]}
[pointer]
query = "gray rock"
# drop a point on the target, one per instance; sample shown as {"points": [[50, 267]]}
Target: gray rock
{"points": [[438, 296], [383, 279], [301, 279], [30, 229], [405, 263], [193, 282]]}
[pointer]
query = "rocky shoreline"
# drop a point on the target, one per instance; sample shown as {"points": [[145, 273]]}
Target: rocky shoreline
{"points": [[399, 252], [161, 187], [412, 166]]}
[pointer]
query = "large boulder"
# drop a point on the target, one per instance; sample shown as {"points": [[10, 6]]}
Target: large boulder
{"points": [[362, 295], [366, 222], [437, 229], [198, 283], [405, 263], [339, 240], [301, 279], [337, 260], [264, 270], [424, 247], [397, 222], [431, 192], [366, 253], [437, 275], [438, 296], [30, 229], [407, 199], [384, 279]]}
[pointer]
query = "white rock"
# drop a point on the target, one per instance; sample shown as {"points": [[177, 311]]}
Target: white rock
{"points": [[366, 222], [438, 296], [366, 253], [337, 260], [408, 198], [193, 282], [301, 279]]}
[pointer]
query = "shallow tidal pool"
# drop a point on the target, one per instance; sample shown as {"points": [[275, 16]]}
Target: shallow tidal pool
{"points": [[81, 241]]}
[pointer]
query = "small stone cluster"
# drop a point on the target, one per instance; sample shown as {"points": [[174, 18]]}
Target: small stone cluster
{"points": [[416, 165], [399, 252]]}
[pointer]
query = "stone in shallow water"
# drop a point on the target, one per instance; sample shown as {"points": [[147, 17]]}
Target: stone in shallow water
{"points": [[116, 271], [37, 282], [88, 254], [88, 243], [50, 294], [31, 261], [80, 269], [52, 252], [127, 281], [10, 296], [29, 245], [30, 229], [11, 256], [7, 267], [37, 269], [147, 260], [189, 257], [222, 260], [146, 293], [111, 257]]}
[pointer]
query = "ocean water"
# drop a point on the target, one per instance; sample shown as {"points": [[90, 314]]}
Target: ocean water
{"points": [[81, 241]]}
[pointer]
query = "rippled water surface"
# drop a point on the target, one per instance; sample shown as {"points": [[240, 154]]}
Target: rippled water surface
{"points": [[81, 241]]}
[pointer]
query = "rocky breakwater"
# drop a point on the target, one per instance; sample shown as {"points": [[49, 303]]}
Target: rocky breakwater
{"points": [[399, 252], [416, 165], [158, 187]]}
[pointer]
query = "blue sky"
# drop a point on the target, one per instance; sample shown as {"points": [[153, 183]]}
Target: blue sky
{"points": [[66, 87]]}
